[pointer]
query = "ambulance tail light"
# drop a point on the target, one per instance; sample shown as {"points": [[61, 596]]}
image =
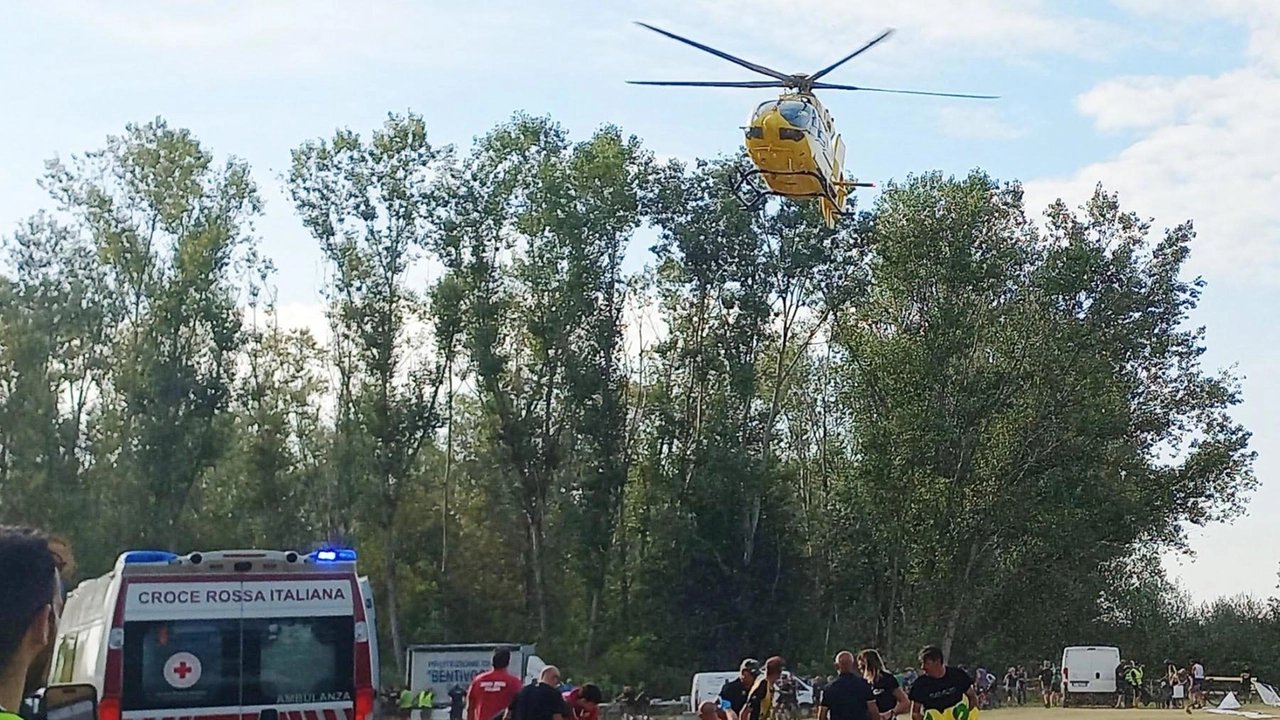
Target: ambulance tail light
{"points": [[364, 704], [109, 708]]}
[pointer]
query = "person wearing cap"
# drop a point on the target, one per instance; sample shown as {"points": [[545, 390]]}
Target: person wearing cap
{"points": [[30, 605], [735, 691]]}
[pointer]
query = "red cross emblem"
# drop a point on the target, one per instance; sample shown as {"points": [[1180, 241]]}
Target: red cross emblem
{"points": [[182, 670]]}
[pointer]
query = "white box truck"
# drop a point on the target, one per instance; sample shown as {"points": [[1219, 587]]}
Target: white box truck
{"points": [[1089, 675], [440, 667]]}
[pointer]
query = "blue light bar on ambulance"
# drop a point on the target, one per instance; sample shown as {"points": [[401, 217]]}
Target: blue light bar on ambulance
{"points": [[148, 556], [334, 555]]}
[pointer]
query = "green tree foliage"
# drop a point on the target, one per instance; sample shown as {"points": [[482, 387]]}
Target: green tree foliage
{"points": [[170, 229], [938, 422], [1015, 392], [369, 206]]}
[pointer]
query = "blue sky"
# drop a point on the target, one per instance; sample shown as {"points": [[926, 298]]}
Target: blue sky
{"points": [[1174, 103]]}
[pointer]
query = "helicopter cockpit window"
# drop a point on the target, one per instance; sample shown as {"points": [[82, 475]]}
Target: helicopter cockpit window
{"points": [[799, 114]]}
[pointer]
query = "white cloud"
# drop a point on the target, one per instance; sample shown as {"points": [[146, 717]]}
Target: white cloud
{"points": [[300, 37], [331, 38], [1260, 17], [1207, 152], [976, 123]]}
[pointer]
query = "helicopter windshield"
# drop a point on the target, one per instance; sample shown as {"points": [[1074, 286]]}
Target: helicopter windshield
{"points": [[799, 114]]}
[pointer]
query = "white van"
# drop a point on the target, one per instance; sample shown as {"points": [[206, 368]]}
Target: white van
{"points": [[707, 686], [230, 635], [1089, 670], [371, 619]]}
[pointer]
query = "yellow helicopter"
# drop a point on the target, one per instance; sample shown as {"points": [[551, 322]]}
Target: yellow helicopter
{"points": [[792, 141]]}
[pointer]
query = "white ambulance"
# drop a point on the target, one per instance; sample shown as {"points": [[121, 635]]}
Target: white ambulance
{"points": [[230, 635]]}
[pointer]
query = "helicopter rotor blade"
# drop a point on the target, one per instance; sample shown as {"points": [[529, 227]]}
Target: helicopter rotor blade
{"points": [[720, 54], [711, 83], [830, 86], [877, 40]]}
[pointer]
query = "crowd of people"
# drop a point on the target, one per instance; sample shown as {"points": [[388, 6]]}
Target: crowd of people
{"points": [[497, 694], [1180, 688], [862, 689], [991, 689]]}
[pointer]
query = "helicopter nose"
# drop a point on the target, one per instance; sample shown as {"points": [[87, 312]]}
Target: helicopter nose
{"points": [[771, 126], [770, 121]]}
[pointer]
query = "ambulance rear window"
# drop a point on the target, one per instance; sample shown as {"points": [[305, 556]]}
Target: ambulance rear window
{"points": [[175, 664], [299, 660]]}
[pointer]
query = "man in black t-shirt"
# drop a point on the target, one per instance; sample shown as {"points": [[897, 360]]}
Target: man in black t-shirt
{"points": [[1046, 682], [542, 700], [939, 687], [735, 691], [850, 697]]}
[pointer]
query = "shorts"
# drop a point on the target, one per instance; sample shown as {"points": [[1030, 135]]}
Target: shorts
{"points": [[1197, 685]]}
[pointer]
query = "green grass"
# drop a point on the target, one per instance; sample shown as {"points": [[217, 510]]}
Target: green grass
{"points": [[1036, 712]]}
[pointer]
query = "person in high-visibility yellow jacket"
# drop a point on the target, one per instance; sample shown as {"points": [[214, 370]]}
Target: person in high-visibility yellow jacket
{"points": [[406, 703], [422, 705]]}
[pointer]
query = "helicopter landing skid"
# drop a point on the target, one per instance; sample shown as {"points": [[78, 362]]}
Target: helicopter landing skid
{"points": [[749, 192]]}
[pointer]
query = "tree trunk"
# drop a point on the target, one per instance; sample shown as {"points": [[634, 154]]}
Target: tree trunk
{"points": [[592, 618], [894, 582], [539, 590], [949, 635], [393, 602], [826, 638], [750, 521], [953, 616], [448, 470]]}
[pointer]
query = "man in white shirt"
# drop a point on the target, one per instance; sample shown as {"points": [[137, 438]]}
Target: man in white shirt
{"points": [[1197, 684]]}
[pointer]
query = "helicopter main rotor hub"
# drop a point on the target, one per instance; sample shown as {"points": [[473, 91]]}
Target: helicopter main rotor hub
{"points": [[798, 81]]}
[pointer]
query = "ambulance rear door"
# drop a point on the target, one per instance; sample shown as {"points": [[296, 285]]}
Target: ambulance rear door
{"points": [[182, 652], [300, 637]]}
